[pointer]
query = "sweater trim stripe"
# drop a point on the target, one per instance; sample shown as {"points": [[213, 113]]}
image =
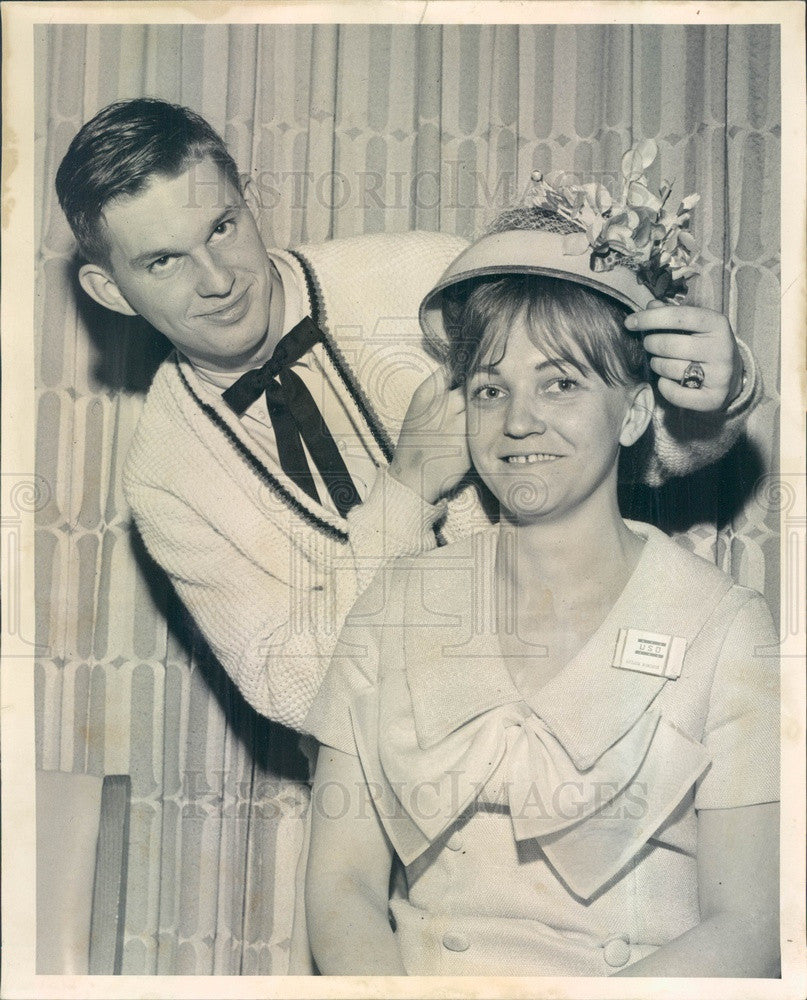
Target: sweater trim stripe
{"points": [[364, 405], [314, 295], [258, 467]]}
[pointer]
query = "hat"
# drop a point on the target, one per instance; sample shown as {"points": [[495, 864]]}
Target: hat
{"points": [[634, 250], [537, 251]]}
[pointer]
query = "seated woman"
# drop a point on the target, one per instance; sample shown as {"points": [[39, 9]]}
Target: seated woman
{"points": [[560, 726]]}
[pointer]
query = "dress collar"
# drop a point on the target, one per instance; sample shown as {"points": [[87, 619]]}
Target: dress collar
{"points": [[589, 704]]}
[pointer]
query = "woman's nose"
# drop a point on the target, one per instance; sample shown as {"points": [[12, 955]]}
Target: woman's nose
{"points": [[523, 418], [214, 277]]}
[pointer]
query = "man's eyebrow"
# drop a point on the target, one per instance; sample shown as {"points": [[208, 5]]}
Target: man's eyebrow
{"points": [[149, 255]]}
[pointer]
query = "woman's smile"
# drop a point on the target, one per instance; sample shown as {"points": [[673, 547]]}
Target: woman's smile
{"points": [[530, 458]]}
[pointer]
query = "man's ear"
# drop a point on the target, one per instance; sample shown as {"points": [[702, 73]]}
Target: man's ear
{"points": [[99, 284], [252, 197], [638, 416]]}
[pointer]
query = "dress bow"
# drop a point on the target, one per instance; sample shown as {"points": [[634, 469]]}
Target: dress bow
{"points": [[589, 823]]}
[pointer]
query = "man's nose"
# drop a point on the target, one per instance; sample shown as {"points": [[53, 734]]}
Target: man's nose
{"points": [[523, 417], [214, 277]]}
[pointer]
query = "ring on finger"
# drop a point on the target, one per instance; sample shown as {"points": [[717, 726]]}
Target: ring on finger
{"points": [[693, 376]]}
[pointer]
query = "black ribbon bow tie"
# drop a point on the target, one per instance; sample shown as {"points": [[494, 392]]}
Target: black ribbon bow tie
{"points": [[296, 418]]}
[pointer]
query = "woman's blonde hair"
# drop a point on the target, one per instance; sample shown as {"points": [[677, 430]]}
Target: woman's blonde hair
{"points": [[565, 320]]}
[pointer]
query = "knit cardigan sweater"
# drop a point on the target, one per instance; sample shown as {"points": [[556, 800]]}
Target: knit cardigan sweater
{"points": [[268, 574]]}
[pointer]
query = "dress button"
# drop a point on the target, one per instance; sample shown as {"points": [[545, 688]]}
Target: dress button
{"points": [[616, 952], [454, 842], [455, 941]]}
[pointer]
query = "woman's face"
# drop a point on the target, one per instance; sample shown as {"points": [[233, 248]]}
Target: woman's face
{"points": [[543, 434]]}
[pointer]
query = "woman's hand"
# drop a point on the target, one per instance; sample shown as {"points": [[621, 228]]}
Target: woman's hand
{"points": [[432, 452], [675, 336]]}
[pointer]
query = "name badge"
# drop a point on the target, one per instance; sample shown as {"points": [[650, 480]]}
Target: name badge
{"points": [[649, 653]]}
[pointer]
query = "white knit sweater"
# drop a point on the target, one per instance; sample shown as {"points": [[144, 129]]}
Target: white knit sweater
{"points": [[267, 574]]}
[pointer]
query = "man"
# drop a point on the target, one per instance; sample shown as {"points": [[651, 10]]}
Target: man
{"points": [[271, 499]]}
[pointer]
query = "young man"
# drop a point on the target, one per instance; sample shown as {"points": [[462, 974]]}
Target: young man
{"points": [[271, 498]]}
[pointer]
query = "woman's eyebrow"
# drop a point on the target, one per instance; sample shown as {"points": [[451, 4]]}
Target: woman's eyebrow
{"points": [[559, 364], [486, 369]]}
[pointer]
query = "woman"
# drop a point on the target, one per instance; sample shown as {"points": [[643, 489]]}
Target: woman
{"points": [[559, 726]]}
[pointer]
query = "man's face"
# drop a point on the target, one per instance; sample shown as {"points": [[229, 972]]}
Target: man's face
{"points": [[185, 253]]}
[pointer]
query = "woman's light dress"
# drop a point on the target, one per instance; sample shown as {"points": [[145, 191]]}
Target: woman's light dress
{"points": [[550, 832]]}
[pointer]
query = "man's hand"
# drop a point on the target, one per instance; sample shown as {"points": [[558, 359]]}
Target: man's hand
{"points": [[690, 334], [432, 452]]}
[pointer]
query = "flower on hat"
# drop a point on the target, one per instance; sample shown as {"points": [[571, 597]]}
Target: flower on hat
{"points": [[638, 232]]}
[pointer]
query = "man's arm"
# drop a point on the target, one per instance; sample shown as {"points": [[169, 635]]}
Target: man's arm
{"points": [[271, 613]]}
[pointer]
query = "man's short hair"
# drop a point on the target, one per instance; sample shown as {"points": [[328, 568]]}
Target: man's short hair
{"points": [[119, 150]]}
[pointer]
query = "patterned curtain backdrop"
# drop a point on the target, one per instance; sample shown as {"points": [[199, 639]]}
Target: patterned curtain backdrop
{"points": [[344, 130]]}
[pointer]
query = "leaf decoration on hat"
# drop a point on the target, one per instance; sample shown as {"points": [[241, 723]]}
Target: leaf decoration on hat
{"points": [[639, 232]]}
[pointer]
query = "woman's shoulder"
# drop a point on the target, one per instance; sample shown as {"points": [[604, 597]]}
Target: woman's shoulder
{"points": [[689, 591], [473, 550], [722, 619], [676, 557]]}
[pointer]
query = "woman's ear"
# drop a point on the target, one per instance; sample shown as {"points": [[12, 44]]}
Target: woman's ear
{"points": [[99, 284], [638, 416]]}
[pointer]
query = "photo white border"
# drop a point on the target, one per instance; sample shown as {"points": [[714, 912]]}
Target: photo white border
{"points": [[18, 424]]}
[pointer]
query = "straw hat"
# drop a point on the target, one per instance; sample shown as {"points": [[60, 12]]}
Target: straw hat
{"points": [[536, 250]]}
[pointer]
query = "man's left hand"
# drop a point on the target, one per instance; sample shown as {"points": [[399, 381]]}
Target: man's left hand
{"points": [[674, 336]]}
